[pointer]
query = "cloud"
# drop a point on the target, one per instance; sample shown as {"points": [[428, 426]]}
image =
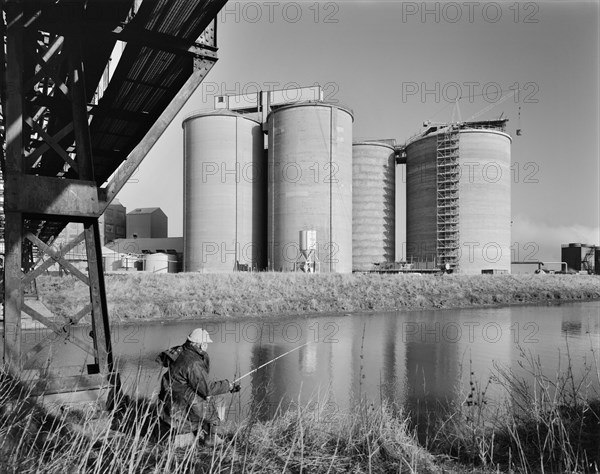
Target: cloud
{"points": [[533, 240]]}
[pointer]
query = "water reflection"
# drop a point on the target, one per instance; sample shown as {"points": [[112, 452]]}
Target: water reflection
{"points": [[424, 361], [261, 399], [431, 368], [571, 327], [392, 380]]}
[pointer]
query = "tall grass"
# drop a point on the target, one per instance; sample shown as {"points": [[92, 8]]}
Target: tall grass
{"points": [[130, 439], [544, 424], [195, 296]]}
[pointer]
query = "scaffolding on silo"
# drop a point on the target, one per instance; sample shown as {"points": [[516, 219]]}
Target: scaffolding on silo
{"points": [[448, 175]]}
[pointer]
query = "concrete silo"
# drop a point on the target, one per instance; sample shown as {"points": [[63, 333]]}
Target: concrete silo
{"points": [[458, 198], [373, 204], [224, 193], [310, 184]]}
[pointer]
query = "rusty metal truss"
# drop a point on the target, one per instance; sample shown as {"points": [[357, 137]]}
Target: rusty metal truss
{"points": [[73, 132]]}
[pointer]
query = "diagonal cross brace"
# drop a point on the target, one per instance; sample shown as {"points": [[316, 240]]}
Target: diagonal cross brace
{"points": [[35, 154], [45, 63], [32, 275], [57, 257], [58, 329], [50, 141], [63, 334]]}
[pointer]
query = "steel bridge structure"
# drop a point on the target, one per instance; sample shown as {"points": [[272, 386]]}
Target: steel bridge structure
{"points": [[74, 128]]}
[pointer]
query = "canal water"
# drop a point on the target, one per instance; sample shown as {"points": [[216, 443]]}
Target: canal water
{"points": [[421, 360]]}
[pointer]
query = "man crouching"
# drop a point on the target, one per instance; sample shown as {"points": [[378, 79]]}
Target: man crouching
{"points": [[185, 389]]}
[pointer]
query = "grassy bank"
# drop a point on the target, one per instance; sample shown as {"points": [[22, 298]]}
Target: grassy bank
{"points": [[552, 428], [184, 296], [129, 439]]}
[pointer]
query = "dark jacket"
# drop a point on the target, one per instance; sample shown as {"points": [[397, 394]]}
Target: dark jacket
{"points": [[185, 388]]}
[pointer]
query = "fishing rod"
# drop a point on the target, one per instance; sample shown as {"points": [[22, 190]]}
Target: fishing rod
{"points": [[271, 361]]}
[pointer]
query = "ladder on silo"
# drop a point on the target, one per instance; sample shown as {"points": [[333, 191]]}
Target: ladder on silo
{"points": [[448, 174]]}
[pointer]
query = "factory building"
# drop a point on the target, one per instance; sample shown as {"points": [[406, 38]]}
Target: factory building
{"points": [[225, 182], [168, 245], [581, 257], [247, 206], [458, 198], [147, 222], [157, 255], [305, 198]]}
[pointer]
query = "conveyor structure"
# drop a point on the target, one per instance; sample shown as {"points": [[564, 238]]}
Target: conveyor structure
{"points": [[74, 128]]}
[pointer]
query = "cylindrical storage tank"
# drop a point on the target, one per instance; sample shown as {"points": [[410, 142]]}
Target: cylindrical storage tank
{"points": [[373, 204], [421, 202], [483, 200], [224, 193], [310, 184], [308, 242], [156, 263], [173, 263]]}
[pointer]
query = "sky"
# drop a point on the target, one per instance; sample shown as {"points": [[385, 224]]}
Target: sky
{"points": [[397, 64]]}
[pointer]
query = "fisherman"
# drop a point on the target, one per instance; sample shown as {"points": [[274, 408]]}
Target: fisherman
{"points": [[185, 389]]}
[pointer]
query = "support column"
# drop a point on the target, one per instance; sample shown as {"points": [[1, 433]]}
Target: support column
{"points": [[101, 330], [13, 123], [13, 290]]}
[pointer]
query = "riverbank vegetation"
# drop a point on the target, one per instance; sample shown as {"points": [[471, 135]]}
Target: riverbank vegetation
{"points": [[145, 296], [546, 425]]}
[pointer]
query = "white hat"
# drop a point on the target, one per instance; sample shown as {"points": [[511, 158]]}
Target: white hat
{"points": [[198, 336]]}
